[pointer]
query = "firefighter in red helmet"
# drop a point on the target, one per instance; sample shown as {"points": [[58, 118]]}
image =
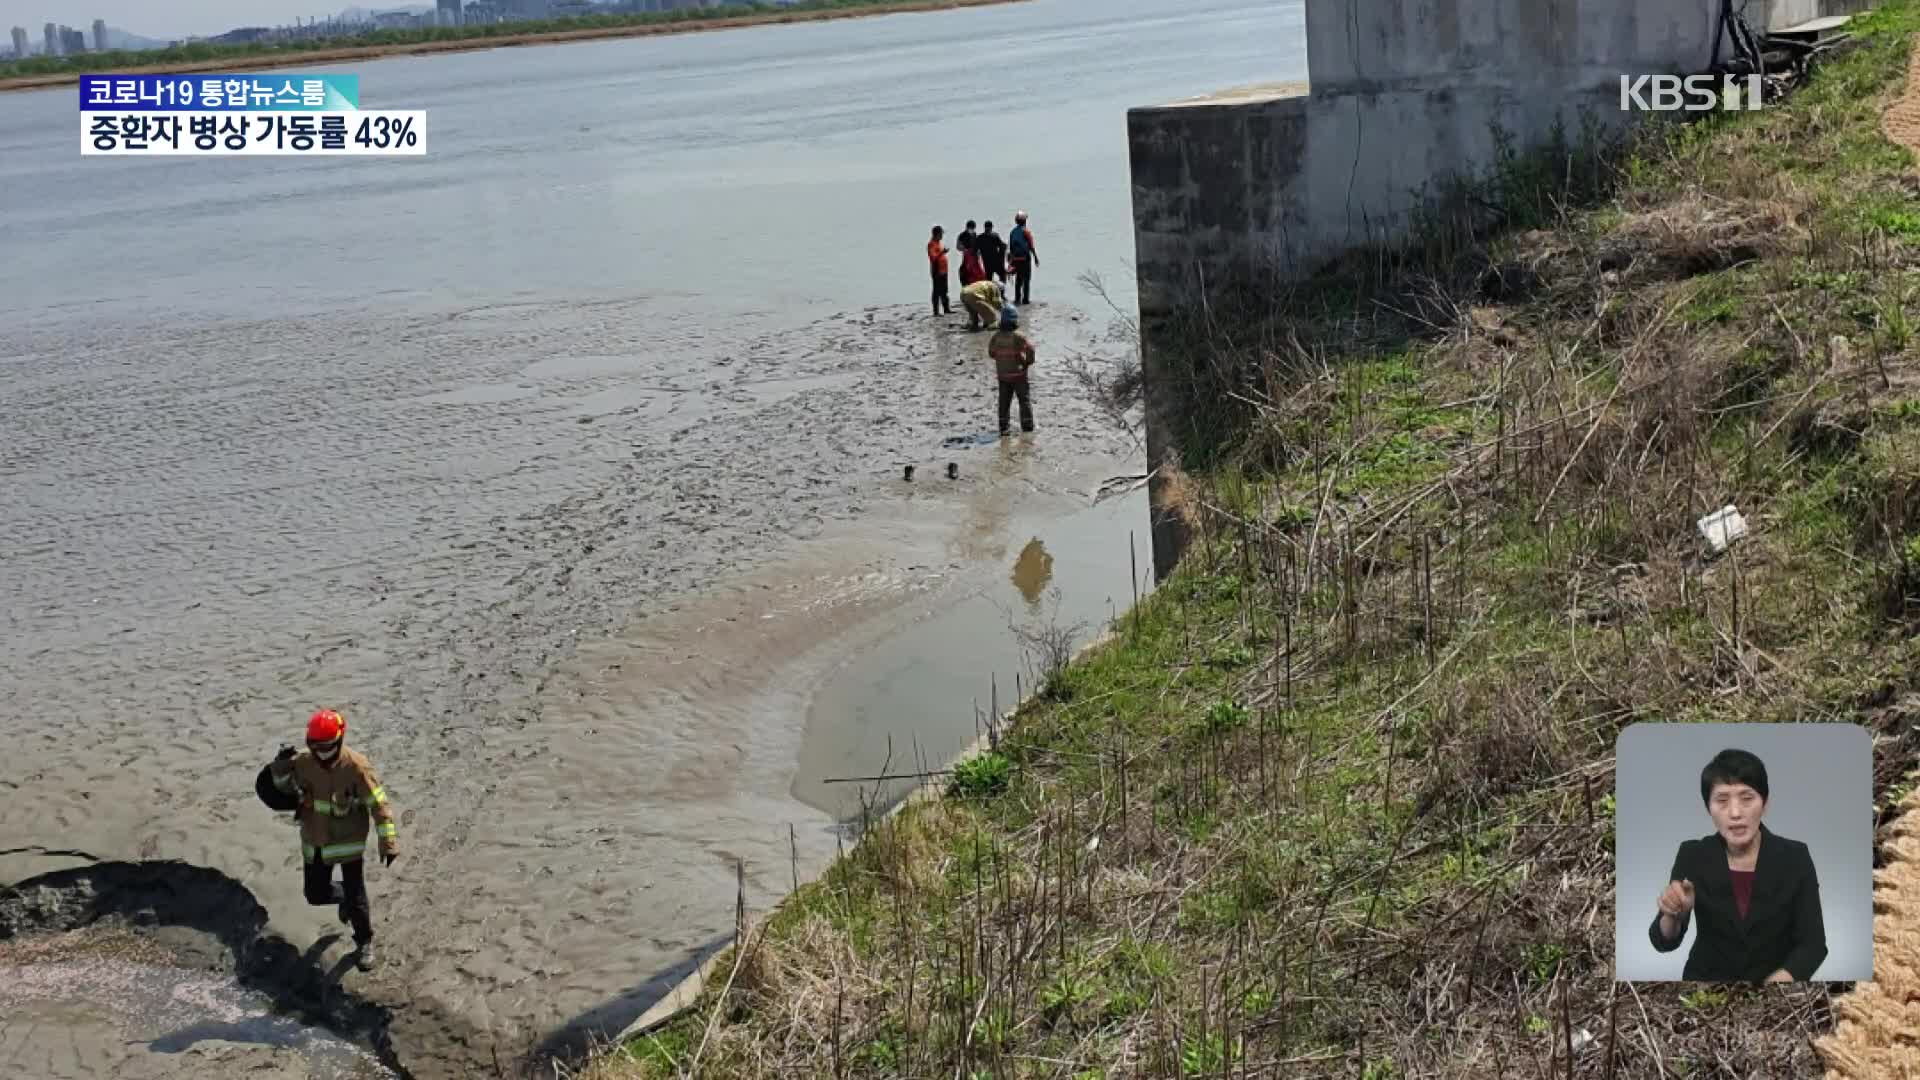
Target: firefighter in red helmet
{"points": [[340, 799]]}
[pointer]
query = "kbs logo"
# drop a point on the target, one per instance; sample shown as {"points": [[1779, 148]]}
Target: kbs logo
{"points": [[1690, 93]]}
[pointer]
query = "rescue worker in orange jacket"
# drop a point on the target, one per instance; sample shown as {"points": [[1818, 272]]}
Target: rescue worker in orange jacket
{"points": [[937, 262], [340, 797]]}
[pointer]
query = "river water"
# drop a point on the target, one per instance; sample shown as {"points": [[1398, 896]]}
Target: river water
{"points": [[566, 460]]}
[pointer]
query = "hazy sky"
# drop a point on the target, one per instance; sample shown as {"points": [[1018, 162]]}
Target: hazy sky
{"points": [[168, 18]]}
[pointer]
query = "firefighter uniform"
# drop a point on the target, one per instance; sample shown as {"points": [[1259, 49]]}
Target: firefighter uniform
{"points": [[340, 802], [1012, 355]]}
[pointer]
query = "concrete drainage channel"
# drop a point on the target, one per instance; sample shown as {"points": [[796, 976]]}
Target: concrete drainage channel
{"points": [[165, 969]]}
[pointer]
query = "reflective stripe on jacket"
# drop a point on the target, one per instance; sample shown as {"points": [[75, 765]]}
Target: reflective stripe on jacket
{"points": [[338, 805], [1012, 354]]}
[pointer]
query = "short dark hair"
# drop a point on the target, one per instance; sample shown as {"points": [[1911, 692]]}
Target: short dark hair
{"points": [[970, 223], [1733, 767], [937, 230], [989, 224]]}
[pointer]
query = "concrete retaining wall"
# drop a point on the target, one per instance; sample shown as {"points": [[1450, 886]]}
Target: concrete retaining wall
{"points": [[1272, 182], [1781, 14], [1364, 45], [1279, 180], [1400, 93]]}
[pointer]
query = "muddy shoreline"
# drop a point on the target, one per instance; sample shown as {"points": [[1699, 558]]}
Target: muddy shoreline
{"points": [[617, 626], [273, 61]]}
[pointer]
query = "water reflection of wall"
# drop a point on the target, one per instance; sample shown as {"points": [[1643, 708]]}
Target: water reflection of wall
{"points": [[1032, 570]]}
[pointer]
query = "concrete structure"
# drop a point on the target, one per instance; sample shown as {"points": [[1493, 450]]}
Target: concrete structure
{"points": [[1785, 14], [448, 12], [20, 42], [99, 35], [1270, 183], [52, 34]]}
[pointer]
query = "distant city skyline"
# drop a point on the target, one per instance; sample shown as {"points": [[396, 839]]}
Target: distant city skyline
{"points": [[173, 18]]}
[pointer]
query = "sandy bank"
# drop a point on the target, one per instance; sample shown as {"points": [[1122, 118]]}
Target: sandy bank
{"points": [[267, 61]]}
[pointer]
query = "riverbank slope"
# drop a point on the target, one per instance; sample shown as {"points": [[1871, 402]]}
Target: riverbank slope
{"points": [[472, 38], [1336, 799]]}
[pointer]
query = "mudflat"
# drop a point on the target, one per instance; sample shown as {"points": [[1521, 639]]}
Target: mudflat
{"points": [[567, 462]]}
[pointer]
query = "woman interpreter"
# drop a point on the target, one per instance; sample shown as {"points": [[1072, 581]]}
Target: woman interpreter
{"points": [[1754, 892]]}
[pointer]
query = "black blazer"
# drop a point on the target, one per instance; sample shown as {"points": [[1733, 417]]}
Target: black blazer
{"points": [[1783, 927]]}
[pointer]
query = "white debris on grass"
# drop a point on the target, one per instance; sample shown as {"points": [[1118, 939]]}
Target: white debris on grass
{"points": [[1722, 528]]}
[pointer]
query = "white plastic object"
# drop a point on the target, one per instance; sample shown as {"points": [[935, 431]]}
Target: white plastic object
{"points": [[1722, 527]]}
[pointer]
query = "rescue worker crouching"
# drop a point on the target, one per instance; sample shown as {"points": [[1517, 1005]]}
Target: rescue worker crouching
{"points": [[1012, 354], [983, 301], [340, 798]]}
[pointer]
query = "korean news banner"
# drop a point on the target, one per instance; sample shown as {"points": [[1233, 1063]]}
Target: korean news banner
{"points": [[241, 114]]}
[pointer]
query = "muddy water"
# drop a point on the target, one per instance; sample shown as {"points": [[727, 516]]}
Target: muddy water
{"points": [[566, 462], [109, 1002]]}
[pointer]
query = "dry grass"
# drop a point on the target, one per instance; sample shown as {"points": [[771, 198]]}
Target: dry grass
{"points": [[1877, 1036], [1336, 799]]}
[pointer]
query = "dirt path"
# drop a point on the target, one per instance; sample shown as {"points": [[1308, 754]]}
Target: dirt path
{"points": [[267, 61]]}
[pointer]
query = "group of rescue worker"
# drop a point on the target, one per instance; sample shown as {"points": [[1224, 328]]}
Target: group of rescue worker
{"points": [[985, 261], [984, 256]]}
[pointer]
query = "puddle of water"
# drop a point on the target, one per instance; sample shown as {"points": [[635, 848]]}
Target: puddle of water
{"points": [[774, 389], [117, 1017], [581, 366], [642, 401], [486, 394], [921, 685]]}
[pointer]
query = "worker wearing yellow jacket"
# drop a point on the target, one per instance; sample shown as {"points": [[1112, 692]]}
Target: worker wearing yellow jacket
{"points": [[340, 796], [983, 300]]}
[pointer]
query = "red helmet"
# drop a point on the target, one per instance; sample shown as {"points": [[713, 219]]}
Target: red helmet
{"points": [[326, 726]]}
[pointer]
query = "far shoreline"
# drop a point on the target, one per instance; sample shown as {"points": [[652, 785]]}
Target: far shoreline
{"points": [[271, 61]]}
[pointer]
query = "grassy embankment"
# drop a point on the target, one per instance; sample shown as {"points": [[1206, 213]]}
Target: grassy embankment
{"points": [[1336, 801], [204, 56]]}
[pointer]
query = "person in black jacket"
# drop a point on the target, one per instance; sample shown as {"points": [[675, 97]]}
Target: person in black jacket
{"points": [[992, 249], [1756, 893]]}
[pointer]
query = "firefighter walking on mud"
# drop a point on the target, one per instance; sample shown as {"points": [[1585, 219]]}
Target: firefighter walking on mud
{"points": [[1012, 355], [339, 799]]}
